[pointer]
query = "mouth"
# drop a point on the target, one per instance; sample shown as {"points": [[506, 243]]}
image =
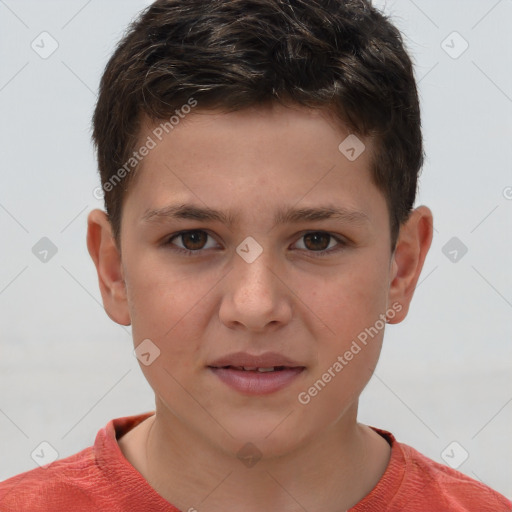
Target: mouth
{"points": [[253, 368], [256, 375]]}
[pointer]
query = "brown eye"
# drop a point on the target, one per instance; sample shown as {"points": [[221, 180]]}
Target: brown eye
{"points": [[317, 241], [321, 243], [192, 241]]}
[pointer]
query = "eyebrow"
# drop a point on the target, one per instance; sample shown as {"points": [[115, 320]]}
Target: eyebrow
{"points": [[283, 216]]}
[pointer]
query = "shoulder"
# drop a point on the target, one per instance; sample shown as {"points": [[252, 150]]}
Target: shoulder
{"points": [[413, 482], [96, 478], [63, 483], [429, 483]]}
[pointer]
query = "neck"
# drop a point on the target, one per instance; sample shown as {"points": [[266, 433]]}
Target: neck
{"points": [[331, 472]]}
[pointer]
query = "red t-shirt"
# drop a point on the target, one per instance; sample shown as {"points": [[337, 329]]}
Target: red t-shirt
{"points": [[100, 478]]}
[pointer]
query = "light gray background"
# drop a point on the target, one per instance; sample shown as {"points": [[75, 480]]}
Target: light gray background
{"points": [[66, 369]]}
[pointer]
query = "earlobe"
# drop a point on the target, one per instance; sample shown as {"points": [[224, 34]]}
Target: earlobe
{"points": [[407, 261], [107, 259]]}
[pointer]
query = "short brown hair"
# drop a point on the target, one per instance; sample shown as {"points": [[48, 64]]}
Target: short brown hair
{"points": [[341, 55]]}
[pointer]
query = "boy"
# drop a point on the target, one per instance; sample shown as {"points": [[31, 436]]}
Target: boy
{"points": [[233, 137]]}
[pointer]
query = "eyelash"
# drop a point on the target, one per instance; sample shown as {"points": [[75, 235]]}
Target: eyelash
{"points": [[316, 254]]}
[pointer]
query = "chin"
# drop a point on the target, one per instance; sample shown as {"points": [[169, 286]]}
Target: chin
{"points": [[273, 436]]}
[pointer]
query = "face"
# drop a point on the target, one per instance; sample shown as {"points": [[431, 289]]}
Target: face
{"points": [[232, 256]]}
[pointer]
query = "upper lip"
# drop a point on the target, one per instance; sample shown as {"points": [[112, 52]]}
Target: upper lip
{"points": [[265, 360]]}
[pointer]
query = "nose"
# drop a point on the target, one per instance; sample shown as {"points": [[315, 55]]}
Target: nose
{"points": [[255, 296]]}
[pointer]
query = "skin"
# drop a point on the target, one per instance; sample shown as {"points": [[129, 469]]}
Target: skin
{"points": [[201, 307]]}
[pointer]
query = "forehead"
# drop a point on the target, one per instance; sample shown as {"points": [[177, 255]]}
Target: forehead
{"points": [[270, 154]]}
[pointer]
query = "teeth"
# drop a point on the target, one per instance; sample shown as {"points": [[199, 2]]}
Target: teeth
{"points": [[254, 368]]}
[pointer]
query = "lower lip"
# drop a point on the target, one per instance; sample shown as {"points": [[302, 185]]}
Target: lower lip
{"points": [[257, 383]]}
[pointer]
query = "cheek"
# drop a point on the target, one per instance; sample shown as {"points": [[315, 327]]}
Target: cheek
{"points": [[160, 298], [345, 364], [168, 310], [330, 393], [171, 311], [349, 338], [348, 300]]}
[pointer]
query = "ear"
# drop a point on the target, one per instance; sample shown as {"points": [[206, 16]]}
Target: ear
{"points": [[407, 261], [107, 259]]}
